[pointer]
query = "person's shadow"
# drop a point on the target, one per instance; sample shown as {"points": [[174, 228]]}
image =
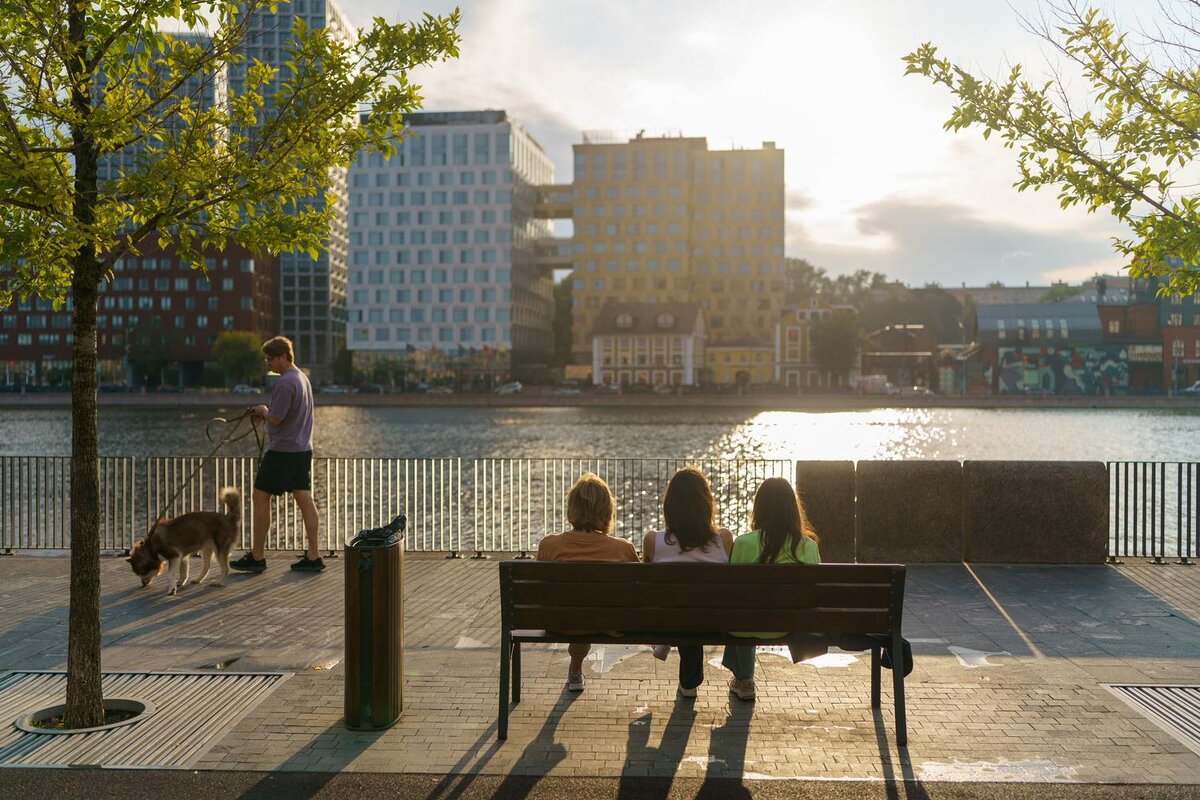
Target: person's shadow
{"points": [[639, 755], [727, 755]]}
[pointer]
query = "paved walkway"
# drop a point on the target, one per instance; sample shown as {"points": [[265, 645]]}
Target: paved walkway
{"points": [[1008, 686]]}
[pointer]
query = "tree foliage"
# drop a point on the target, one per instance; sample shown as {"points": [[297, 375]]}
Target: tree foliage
{"points": [[239, 355], [91, 83], [1130, 149], [835, 341], [804, 280], [563, 294]]}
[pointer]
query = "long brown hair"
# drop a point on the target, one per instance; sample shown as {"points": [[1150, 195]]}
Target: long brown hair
{"points": [[689, 510], [779, 514]]}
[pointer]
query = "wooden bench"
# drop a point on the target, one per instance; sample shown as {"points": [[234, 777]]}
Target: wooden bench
{"points": [[693, 604]]}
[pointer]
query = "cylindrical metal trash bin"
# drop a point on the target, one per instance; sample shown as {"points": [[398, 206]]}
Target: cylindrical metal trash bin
{"points": [[374, 618]]}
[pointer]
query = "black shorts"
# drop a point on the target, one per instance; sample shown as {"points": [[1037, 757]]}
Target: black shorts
{"points": [[284, 472]]}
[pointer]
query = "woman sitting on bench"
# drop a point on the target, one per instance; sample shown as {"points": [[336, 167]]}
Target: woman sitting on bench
{"points": [[781, 535], [691, 535], [590, 510]]}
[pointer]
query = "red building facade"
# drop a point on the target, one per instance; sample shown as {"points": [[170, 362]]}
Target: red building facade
{"points": [[238, 290]]}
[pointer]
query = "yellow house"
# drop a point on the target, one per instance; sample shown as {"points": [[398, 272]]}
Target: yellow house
{"points": [[740, 363]]}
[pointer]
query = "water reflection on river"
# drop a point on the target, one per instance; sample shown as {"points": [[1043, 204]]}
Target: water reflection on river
{"points": [[1101, 434]]}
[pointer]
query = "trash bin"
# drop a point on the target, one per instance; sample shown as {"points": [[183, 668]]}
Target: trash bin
{"points": [[374, 617]]}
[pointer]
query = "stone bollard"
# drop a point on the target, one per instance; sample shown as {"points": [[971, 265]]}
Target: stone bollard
{"points": [[1036, 512], [827, 489], [910, 511]]}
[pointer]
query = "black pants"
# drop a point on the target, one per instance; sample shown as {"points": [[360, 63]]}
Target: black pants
{"points": [[691, 665]]}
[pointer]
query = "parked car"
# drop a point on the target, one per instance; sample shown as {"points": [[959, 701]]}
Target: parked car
{"points": [[917, 391], [370, 388], [333, 388], [243, 388], [1193, 390], [440, 390], [510, 388], [569, 390]]}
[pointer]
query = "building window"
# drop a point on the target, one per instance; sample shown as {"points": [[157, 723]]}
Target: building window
{"points": [[1114, 326], [624, 321]]}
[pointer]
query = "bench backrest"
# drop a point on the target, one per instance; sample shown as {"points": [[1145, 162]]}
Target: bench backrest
{"points": [[832, 598]]}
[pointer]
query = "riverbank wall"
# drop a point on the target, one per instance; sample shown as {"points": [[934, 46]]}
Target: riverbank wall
{"points": [[532, 398]]}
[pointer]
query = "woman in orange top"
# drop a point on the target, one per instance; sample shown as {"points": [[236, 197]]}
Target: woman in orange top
{"points": [[590, 510]]}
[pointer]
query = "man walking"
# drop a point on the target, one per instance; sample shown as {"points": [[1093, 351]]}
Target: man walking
{"points": [[287, 464]]}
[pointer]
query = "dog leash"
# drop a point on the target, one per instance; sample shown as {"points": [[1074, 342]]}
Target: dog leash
{"points": [[227, 439]]}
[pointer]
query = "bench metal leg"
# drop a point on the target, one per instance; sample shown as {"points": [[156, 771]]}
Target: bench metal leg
{"points": [[876, 678], [898, 690], [516, 673], [505, 655]]}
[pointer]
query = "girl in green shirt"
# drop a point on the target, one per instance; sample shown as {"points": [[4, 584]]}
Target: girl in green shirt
{"points": [[781, 535]]}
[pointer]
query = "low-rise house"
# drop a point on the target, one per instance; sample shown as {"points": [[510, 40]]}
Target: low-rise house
{"points": [[659, 344]]}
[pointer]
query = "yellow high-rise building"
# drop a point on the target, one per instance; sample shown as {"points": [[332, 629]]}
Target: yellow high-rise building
{"points": [[666, 220]]}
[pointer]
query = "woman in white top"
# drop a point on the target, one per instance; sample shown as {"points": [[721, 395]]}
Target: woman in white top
{"points": [[691, 535]]}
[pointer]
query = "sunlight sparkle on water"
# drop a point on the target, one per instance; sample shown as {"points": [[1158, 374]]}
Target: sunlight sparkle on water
{"points": [[882, 434]]}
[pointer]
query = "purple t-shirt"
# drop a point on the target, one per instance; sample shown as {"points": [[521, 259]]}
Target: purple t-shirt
{"points": [[292, 402]]}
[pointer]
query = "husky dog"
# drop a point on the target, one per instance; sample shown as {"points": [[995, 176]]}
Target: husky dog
{"points": [[171, 541]]}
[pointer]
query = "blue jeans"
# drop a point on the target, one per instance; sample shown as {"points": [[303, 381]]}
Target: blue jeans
{"points": [[739, 659]]}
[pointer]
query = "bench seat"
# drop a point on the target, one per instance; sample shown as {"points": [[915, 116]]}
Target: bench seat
{"points": [[694, 604]]}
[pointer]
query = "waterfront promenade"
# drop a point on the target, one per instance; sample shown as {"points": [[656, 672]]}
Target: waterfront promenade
{"points": [[1010, 686]]}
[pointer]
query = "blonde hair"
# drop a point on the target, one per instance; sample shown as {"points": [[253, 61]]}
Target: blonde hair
{"points": [[590, 504], [279, 346]]}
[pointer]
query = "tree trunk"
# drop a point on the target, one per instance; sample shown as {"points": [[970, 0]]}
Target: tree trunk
{"points": [[85, 700], [84, 697]]}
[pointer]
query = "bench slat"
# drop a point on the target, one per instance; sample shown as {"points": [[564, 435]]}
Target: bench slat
{"points": [[761, 574], [604, 618], [693, 596]]}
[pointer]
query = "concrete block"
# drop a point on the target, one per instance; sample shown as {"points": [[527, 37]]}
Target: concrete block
{"points": [[909, 511], [827, 490], [1036, 512]]}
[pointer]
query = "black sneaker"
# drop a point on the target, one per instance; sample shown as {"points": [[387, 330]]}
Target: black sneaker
{"points": [[306, 564], [248, 563]]}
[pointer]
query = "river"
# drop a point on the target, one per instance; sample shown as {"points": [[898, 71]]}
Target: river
{"points": [[651, 432]]}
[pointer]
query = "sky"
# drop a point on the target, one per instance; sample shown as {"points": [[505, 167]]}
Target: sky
{"points": [[872, 179]]}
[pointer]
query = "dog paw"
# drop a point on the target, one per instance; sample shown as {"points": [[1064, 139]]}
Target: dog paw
{"points": [[174, 591]]}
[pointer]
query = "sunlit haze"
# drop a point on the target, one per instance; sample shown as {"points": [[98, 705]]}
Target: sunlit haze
{"points": [[873, 181]]}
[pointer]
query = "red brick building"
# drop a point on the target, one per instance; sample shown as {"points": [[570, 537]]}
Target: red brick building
{"points": [[240, 292]]}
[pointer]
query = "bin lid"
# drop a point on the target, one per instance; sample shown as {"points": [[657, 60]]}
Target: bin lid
{"points": [[383, 536]]}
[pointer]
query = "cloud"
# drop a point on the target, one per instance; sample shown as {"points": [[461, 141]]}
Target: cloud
{"points": [[921, 242], [798, 200]]}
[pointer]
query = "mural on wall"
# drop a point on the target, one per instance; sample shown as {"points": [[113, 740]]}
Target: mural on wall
{"points": [[1063, 370]]}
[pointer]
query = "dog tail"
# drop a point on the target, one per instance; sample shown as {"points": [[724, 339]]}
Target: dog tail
{"points": [[232, 498]]}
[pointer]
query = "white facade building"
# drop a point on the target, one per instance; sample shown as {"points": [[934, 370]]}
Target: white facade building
{"points": [[443, 243], [312, 293]]}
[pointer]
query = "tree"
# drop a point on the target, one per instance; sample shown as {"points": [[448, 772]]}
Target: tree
{"points": [[97, 80], [1128, 151], [804, 280], [239, 355], [148, 349], [563, 294], [835, 341], [931, 306]]}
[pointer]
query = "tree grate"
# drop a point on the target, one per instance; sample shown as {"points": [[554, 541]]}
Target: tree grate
{"points": [[1175, 709], [193, 710]]}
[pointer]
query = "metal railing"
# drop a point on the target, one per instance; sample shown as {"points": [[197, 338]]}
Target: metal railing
{"points": [[485, 505], [1154, 510]]}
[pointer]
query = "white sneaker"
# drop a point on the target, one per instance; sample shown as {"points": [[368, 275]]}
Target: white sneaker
{"points": [[743, 688], [575, 682], [660, 651], [682, 692]]}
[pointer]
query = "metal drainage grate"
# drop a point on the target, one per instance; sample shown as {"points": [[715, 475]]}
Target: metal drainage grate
{"points": [[1175, 709], [193, 710]]}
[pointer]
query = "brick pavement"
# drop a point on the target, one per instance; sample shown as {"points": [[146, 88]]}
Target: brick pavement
{"points": [[1010, 662]]}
